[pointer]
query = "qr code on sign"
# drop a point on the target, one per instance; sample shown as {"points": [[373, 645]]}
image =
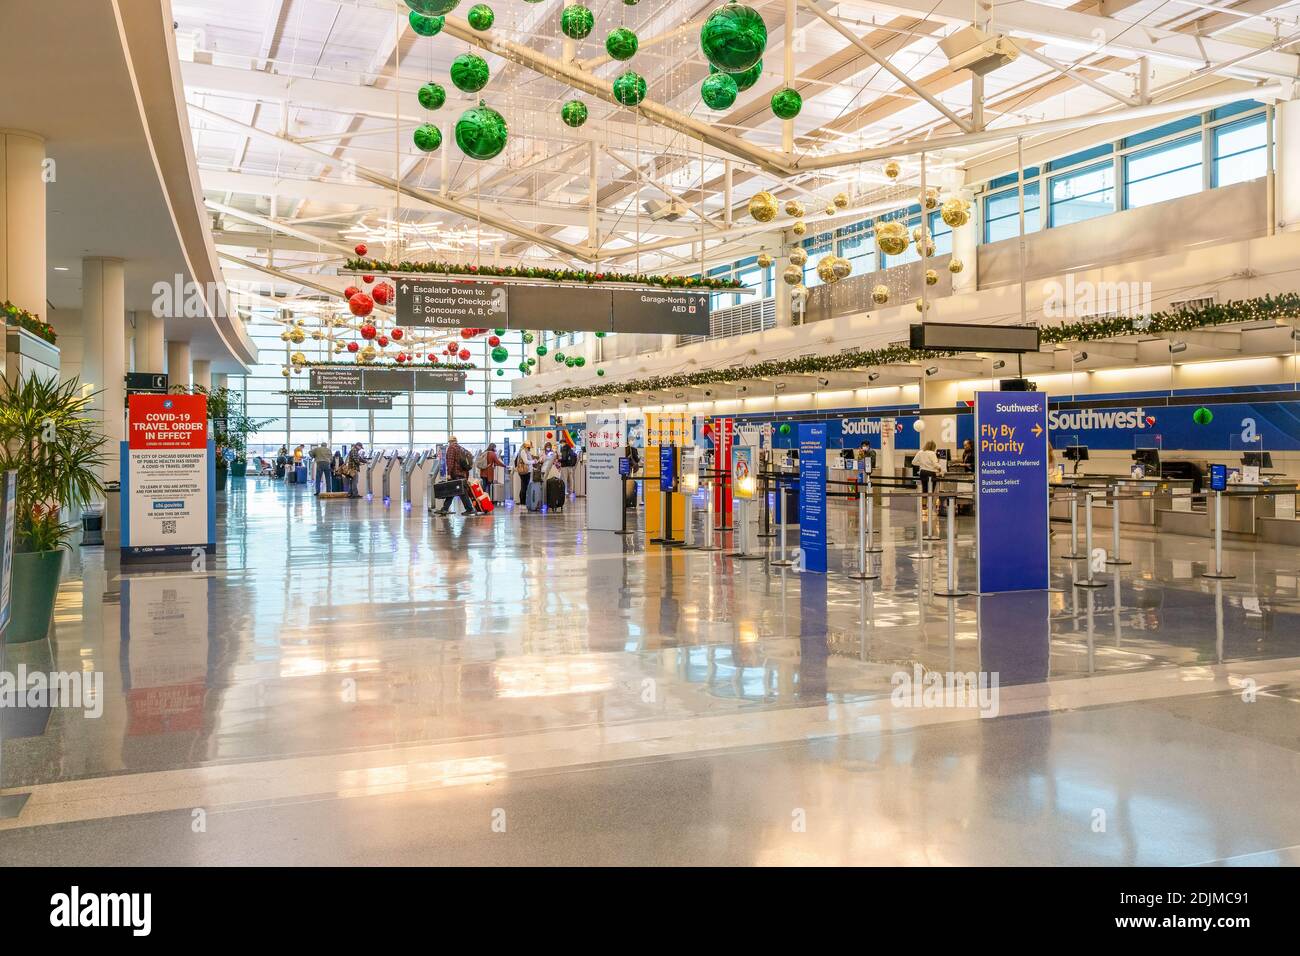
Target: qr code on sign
{"points": [[169, 526]]}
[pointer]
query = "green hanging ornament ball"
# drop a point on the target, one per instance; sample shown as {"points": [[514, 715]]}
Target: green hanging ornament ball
{"points": [[784, 429], [621, 43], [500, 353], [718, 91], [744, 79], [481, 132], [630, 88], [559, 357], [498, 331], [570, 362], [733, 38], [600, 335], [480, 17], [532, 361], [426, 26], [528, 338], [580, 361], [574, 113], [469, 73], [541, 350], [786, 103], [432, 96], [427, 137], [1202, 416], [500, 372], [576, 21], [432, 8], [600, 372]]}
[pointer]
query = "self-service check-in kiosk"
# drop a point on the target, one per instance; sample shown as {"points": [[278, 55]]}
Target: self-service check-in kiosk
{"points": [[415, 490], [375, 474], [392, 480]]}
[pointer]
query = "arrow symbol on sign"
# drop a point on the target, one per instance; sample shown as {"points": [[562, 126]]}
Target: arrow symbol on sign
{"points": [[405, 288], [1038, 430]]}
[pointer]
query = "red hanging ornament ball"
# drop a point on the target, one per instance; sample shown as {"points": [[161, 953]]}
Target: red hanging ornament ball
{"points": [[401, 357], [469, 391], [494, 340], [350, 291], [382, 293], [464, 355], [361, 304], [353, 347], [361, 249], [433, 357], [382, 341], [367, 279], [367, 332], [397, 335], [466, 333]]}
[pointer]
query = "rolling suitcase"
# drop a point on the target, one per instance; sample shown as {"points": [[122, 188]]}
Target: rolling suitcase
{"points": [[535, 496], [480, 497], [555, 495]]}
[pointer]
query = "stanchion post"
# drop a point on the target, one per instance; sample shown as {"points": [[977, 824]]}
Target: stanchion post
{"points": [[863, 519], [921, 553], [1074, 554], [708, 544], [872, 547], [767, 531], [1218, 573], [781, 561], [1087, 534], [1115, 560], [952, 591]]}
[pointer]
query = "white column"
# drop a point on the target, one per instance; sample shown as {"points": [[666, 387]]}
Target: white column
{"points": [[103, 322], [178, 364], [965, 246], [781, 291], [150, 343], [202, 373], [22, 221], [220, 380], [1288, 166]]}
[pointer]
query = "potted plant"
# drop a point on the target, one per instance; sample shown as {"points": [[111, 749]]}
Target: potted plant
{"points": [[50, 437], [231, 428]]}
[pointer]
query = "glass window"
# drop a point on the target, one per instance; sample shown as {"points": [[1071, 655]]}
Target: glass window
{"points": [[1163, 172], [860, 250], [1074, 159], [1082, 194], [723, 300], [1232, 109], [1240, 151], [1002, 213], [941, 233], [1160, 132]]}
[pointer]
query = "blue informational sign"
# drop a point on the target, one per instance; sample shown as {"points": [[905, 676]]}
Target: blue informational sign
{"points": [[812, 495], [1011, 490], [625, 467], [1218, 477], [1173, 427], [667, 468]]}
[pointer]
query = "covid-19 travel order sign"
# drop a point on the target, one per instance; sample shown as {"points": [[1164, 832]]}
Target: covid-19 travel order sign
{"points": [[1011, 490], [167, 476]]}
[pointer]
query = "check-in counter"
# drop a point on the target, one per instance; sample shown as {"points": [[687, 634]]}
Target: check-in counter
{"points": [[1269, 516], [1079, 484], [1142, 498]]}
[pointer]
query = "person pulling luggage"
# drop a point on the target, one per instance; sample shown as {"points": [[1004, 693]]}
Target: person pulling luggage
{"points": [[459, 462]]}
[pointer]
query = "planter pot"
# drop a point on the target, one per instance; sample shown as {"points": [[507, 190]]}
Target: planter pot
{"points": [[238, 469], [35, 584], [223, 475]]}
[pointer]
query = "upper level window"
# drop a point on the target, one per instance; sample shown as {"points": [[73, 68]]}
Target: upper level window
{"points": [[1163, 172], [1002, 213], [1082, 194], [860, 250], [1240, 151]]}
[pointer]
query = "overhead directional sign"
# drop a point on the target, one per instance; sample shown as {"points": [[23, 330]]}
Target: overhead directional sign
{"points": [[477, 304], [307, 401], [451, 304], [360, 379]]}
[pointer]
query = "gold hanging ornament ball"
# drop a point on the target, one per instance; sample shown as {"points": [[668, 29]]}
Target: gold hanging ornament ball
{"points": [[955, 211], [918, 306], [929, 198], [826, 270], [841, 200], [799, 228], [791, 275], [764, 260], [892, 169], [297, 336], [842, 267], [925, 247], [762, 206], [931, 277], [284, 336], [891, 237], [284, 372], [880, 294], [794, 207], [297, 358], [955, 266], [798, 255]]}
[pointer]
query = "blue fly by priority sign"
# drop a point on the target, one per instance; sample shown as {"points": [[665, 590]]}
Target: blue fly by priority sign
{"points": [[1011, 504]]}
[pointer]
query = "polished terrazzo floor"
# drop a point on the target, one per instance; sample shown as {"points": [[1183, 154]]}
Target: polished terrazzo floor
{"points": [[349, 683]]}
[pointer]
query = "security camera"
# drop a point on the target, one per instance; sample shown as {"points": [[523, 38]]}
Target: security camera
{"points": [[873, 376], [823, 382], [932, 370], [708, 392]]}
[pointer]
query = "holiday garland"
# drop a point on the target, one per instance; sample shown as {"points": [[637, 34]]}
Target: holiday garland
{"points": [[25, 320], [377, 266], [1266, 308]]}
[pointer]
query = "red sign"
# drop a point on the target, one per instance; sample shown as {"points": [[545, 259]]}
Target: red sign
{"points": [[167, 422], [724, 436]]}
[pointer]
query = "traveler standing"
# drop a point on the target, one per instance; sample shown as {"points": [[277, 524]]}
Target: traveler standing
{"points": [[569, 466], [927, 467], [524, 462], [459, 462], [324, 460], [281, 460], [352, 469], [487, 463]]}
